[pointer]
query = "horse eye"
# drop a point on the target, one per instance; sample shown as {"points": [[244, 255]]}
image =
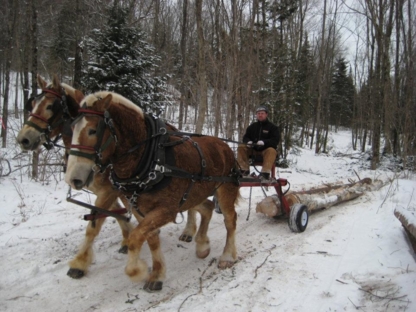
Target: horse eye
{"points": [[92, 132], [49, 107]]}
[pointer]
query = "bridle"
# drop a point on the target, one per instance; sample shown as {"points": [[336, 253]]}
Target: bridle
{"points": [[50, 124], [100, 147]]}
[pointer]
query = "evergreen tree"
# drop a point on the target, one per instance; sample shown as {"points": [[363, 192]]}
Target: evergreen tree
{"points": [[121, 61], [304, 94], [341, 95]]}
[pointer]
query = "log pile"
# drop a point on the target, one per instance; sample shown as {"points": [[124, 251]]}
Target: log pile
{"points": [[319, 198], [407, 219]]}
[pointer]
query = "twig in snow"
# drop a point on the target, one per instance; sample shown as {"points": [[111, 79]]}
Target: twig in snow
{"points": [[185, 301], [259, 266], [356, 307], [384, 297], [387, 195], [410, 200], [359, 179], [341, 282]]}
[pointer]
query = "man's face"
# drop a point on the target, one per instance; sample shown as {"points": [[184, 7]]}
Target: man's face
{"points": [[261, 115]]}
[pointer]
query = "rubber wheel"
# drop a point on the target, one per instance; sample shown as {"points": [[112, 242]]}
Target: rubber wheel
{"points": [[299, 216]]}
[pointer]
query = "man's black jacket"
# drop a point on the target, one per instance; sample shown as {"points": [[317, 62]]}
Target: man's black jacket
{"points": [[262, 131]]}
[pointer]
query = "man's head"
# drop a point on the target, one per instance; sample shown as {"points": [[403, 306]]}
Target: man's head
{"points": [[261, 113]]}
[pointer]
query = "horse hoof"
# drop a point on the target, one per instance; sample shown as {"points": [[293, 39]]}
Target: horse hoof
{"points": [[75, 273], [185, 238], [123, 249], [203, 254], [153, 286], [225, 264]]}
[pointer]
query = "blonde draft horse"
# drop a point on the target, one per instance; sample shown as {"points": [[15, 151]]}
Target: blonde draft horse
{"points": [[125, 138], [52, 113]]}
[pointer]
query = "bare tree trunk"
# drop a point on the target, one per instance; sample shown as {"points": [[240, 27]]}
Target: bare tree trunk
{"points": [[203, 88], [184, 34], [34, 33], [409, 121], [11, 10], [16, 96], [78, 49], [320, 76], [383, 28]]}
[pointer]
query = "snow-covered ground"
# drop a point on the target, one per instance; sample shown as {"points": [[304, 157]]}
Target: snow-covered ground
{"points": [[354, 256]]}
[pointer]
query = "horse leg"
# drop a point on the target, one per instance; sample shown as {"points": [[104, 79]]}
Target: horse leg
{"points": [[227, 195], [156, 277], [79, 265], [126, 228], [202, 241], [158, 274], [148, 229], [190, 228]]}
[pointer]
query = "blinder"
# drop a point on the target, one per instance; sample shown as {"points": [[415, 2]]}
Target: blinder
{"points": [[28, 105]]}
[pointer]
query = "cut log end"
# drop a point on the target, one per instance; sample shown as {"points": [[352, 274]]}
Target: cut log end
{"points": [[409, 227]]}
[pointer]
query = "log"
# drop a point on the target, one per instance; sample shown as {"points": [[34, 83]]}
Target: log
{"points": [[407, 220], [270, 206], [318, 198], [329, 188], [332, 195]]}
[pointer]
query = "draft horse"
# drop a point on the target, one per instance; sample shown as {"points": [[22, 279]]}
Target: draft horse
{"points": [[51, 115], [162, 172]]}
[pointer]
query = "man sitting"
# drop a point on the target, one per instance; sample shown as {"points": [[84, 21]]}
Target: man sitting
{"points": [[261, 138]]}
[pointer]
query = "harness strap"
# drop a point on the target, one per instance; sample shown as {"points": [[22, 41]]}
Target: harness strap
{"points": [[172, 171], [190, 134], [52, 92]]}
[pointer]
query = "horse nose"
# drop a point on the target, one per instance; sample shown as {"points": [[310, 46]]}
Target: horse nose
{"points": [[24, 142], [77, 183]]}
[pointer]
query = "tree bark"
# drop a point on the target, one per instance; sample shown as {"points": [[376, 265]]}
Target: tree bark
{"points": [[202, 86], [409, 226], [34, 33], [182, 71], [11, 10]]}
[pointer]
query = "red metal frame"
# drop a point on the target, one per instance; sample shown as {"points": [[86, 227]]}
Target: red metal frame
{"points": [[279, 182]]}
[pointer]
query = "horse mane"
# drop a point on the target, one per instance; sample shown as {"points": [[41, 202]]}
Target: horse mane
{"points": [[89, 100], [68, 89]]}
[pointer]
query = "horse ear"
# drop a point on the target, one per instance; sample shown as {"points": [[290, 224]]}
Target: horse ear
{"points": [[78, 96], [42, 83], [55, 82], [107, 101]]}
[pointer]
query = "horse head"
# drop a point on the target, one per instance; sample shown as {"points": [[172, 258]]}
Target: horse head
{"points": [[51, 112], [95, 134]]}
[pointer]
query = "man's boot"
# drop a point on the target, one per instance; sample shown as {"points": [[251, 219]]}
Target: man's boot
{"points": [[265, 177]]}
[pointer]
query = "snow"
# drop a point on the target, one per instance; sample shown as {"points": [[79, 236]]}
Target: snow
{"points": [[353, 256]]}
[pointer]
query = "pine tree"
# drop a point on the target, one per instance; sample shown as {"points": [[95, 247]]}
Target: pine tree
{"points": [[121, 61], [341, 96], [304, 95]]}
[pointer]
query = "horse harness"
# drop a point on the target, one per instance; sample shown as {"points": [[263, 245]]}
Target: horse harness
{"points": [[157, 167], [59, 104]]}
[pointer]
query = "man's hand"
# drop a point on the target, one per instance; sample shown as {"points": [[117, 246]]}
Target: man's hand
{"points": [[250, 143], [260, 143]]}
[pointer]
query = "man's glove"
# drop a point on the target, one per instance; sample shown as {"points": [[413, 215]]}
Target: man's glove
{"points": [[250, 143], [260, 143]]}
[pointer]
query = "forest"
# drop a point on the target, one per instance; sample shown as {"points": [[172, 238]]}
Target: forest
{"points": [[317, 64]]}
